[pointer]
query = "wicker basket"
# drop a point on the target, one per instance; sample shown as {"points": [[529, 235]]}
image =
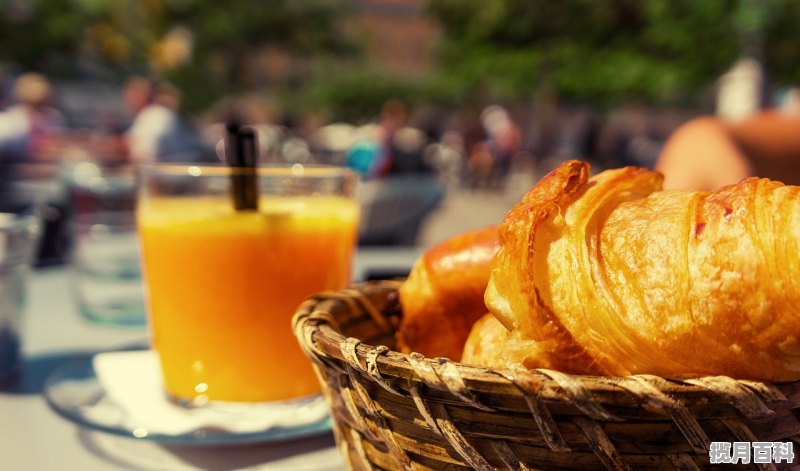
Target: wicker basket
{"points": [[396, 411]]}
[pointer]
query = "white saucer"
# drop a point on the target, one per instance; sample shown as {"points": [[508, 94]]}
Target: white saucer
{"points": [[76, 393]]}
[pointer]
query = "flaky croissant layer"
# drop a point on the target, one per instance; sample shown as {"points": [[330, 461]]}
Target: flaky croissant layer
{"points": [[610, 275]]}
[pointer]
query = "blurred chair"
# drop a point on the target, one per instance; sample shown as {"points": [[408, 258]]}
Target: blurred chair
{"points": [[393, 209]]}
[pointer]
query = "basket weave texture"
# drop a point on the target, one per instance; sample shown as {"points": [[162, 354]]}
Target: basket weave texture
{"points": [[396, 411]]}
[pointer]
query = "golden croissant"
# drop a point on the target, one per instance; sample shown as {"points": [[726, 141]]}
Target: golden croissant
{"points": [[443, 296], [610, 275]]}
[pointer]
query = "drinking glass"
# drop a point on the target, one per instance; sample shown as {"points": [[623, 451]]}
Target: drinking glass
{"points": [[222, 284], [18, 237], [106, 280]]}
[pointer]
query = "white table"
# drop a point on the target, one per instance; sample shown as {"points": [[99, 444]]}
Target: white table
{"points": [[33, 437]]}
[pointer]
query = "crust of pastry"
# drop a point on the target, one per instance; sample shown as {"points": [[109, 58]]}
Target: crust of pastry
{"points": [[443, 295], [610, 275]]}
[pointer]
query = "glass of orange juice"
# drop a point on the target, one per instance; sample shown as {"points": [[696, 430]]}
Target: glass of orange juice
{"points": [[222, 284]]}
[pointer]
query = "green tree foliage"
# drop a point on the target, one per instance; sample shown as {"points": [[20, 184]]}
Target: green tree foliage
{"points": [[781, 41], [357, 94], [230, 35], [116, 38], [596, 51], [602, 50]]}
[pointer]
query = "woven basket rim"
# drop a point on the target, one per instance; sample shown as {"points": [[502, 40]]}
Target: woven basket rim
{"points": [[326, 339]]}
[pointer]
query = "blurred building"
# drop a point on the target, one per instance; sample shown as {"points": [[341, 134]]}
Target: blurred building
{"points": [[400, 35], [397, 36]]}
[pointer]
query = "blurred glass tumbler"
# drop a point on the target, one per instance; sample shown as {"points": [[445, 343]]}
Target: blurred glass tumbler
{"points": [[107, 280], [222, 284], [18, 236], [105, 253]]}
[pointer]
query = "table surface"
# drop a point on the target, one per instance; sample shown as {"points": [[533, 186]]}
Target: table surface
{"points": [[33, 437]]}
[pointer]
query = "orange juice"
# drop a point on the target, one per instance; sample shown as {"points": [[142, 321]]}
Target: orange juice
{"points": [[222, 288]]}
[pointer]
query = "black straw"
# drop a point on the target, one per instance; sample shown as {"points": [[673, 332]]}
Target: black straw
{"points": [[242, 156]]}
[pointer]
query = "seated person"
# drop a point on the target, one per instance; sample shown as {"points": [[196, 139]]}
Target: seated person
{"points": [[707, 153]]}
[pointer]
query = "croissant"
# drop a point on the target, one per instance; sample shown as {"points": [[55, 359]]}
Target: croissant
{"points": [[610, 275], [490, 343], [443, 295]]}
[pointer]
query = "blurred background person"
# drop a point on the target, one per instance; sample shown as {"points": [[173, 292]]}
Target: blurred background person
{"points": [[392, 147], [490, 160], [394, 116], [746, 136], [707, 153], [150, 120], [702, 155], [29, 127], [158, 132]]}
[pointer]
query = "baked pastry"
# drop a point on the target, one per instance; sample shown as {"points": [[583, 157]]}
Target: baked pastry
{"points": [[609, 275], [443, 295], [490, 343]]}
